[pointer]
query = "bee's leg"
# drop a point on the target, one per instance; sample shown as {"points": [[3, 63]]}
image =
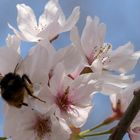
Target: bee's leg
{"points": [[25, 104], [29, 87], [26, 78], [54, 38]]}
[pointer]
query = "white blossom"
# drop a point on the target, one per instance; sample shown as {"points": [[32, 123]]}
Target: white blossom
{"points": [[99, 58], [51, 23], [72, 98], [31, 124]]}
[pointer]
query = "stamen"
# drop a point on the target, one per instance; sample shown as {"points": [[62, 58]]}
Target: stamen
{"points": [[42, 126], [98, 53], [104, 49], [63, 101]]}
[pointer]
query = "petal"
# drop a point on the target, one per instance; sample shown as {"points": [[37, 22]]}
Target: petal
{"points": [[50, 32], [92, 35], [78, 115], [46, 95], [97, 66], [109, 89], [56, 82], [118, 80], [25, 35], [70, 57], [84, 79], [9, 58], [49, 15], [114, 98], [60, 129], [26, 20], [11, 115], [36, 64], [14, 42], [72, 20], [127, 95], [126, 55], [75, 37], [52, 9]]}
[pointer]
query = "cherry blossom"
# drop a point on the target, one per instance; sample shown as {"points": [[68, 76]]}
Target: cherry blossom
{"points": [[65, 80], [31, 124], [50, 24], [72, 98]]}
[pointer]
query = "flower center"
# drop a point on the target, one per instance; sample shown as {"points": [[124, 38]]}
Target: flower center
{"points": [[98, 53], [63, 101], [42, 126]]}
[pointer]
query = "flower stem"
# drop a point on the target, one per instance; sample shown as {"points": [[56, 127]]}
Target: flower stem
{"points": [[97, 134], [105, 122]]}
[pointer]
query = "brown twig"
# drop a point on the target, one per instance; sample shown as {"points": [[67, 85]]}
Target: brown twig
{"points": [[127, 118]]}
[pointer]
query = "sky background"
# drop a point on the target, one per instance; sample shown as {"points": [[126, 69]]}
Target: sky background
{"points": [[122, 18]]}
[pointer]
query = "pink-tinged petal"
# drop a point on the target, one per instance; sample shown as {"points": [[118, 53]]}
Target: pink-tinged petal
{"points": [[127, 95], [56, 82], [81, 92], [72, 20], [134, 134], [52, 8], [10, 121], [14, 42], [127, 56], [127, 48], [84, 79], [51, 31], [26, 19], [36, 65], [21, 134], [124, 97], [71, 59], [82, 97], [114, 98], [109, 89], [118, 80], [75, 37], [46, 95], [92, 35], [31, 121], [49, 14], [97, 66], [78, 115], [60, 129], [9, 58], [25, 36]]}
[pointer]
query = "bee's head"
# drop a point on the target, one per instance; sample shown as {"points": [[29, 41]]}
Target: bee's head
{"points": [[11, 80], [12, 89]]}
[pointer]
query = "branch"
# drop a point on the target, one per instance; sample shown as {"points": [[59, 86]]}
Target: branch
{"points": [[127, 118]]}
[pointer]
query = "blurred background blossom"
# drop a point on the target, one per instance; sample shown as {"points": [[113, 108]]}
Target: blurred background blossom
{"points": [[122, 19]]}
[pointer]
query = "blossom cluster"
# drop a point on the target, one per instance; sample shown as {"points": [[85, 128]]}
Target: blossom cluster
{"points": [[64, 81]]}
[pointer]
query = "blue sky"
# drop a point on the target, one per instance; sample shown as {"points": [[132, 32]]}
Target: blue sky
{"points": [[121, 17]]}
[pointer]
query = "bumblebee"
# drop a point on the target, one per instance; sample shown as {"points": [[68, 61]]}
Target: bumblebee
{"points": [[14, 88]]}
